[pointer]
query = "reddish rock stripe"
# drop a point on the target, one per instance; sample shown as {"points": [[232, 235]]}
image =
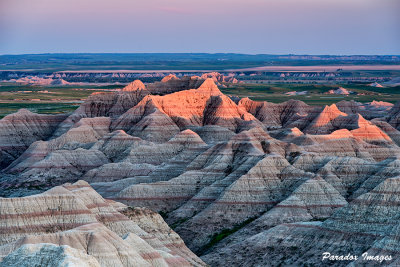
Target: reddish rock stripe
{"points": [[309, 206], [12, 230], [97, 205], [175, 245], [263, 192], [202, 199], [111, 218], [311, 193], [63, 166], [65, 196], [151, 255], [147, 237], [170, 185], [122, 138], [177, 261], [44, 213], [246, 202], [148, 198]]}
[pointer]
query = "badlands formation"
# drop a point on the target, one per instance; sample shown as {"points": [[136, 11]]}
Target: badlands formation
{"points": [[243, 183], [72, 225]]}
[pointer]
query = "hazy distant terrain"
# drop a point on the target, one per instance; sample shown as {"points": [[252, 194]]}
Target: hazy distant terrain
{"points": [[157, 61], [58, 83]]}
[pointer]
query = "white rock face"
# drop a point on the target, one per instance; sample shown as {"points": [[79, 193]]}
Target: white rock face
{"points": [[49, 255], [80, 228]]}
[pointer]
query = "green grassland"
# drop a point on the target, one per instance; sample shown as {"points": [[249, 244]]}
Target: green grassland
{"points": [[42, 108], [67, 98], [317, 93], [65, 93], [46, 100]]}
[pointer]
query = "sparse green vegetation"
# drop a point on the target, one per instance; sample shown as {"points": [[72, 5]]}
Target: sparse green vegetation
{"points": [[224, 233], [53, 100], [317, 93], [163, 214], [45, 99], [179, 222], [43, 108]]}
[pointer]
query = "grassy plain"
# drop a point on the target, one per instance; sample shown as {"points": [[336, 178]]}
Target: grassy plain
{"points": [[41, 99], [63, 99], [317, 93]]}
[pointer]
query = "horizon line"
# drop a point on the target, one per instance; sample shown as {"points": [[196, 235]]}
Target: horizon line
{"points": [[193, 53]]}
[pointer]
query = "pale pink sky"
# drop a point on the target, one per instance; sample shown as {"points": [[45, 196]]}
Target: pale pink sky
{"points": [[246, 26]]}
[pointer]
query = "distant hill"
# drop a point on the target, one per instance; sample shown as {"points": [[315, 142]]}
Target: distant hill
{"points": [[173, 61]]}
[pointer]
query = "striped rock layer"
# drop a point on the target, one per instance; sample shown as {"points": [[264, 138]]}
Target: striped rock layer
{"points": [[242, 182], [74, 223]]}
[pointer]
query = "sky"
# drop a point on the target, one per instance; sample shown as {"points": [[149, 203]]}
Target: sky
{"points": [[337, 27]]}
